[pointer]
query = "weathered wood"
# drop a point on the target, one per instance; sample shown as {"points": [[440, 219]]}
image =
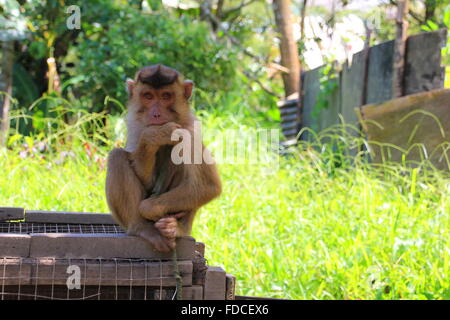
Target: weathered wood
{"points": [[95, 292], [379, 77], [423, 71], [230, 287], [352, 87], [199, 269], [11, 213], [215, 284], [61, 245], [120, 272], [14, 272], [311, 86], [330, 115], [200, 248], [412, 123], [14, 245], [34, 227], [192, 293], [68, 217]]}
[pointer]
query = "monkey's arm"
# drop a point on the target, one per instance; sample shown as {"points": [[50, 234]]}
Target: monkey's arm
{"points": [[143, 162], [143, 158], [203, 186]]}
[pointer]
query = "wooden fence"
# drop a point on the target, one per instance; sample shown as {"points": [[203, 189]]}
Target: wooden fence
{"points": [[367, 80]]}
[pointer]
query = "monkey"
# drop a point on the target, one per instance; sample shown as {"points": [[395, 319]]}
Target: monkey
{"points": [[149, 194]]}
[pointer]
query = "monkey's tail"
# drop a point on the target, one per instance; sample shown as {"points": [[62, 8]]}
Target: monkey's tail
{"points": [[178, 279]]}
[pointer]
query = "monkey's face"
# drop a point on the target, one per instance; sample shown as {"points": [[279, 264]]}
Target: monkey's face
{"points": [[157, 106], [159, 95]]}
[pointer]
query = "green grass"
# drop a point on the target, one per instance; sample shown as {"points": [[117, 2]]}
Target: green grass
{"points": [[314, 226]]}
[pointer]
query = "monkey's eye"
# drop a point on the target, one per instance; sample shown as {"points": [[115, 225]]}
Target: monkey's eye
{"points": [[148, 96], [166, 95]]}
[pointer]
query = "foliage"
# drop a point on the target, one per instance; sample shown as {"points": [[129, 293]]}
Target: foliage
{"points": [[110, 51], [300, 227]]}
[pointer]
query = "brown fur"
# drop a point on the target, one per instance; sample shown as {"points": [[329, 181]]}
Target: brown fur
{"points": [[147, 193]]}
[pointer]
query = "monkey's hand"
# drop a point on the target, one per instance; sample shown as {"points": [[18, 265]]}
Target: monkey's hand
{"points": [[160, 135], [168, 226]]}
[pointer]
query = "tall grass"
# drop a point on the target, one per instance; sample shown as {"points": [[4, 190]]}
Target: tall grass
{"points": [[315, 224]]}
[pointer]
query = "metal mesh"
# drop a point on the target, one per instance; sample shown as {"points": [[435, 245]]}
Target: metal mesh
{"points": [[85, 279], [28, 227]]}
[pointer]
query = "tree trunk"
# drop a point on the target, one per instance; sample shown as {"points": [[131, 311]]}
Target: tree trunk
{"points": [[399, 48], [288, 47], [302, 20], [430, 8], [6, 89]]}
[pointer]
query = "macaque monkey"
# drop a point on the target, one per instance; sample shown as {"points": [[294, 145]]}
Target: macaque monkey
{"points": [[148, 194]]}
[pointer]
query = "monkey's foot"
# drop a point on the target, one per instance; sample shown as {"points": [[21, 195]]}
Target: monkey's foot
{"points": [[158, 241]]}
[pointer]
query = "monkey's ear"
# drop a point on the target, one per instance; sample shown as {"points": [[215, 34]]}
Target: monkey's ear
{"points": [[188, 86], [130, 86]]}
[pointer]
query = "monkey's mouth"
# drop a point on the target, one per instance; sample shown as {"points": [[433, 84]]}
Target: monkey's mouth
{"points": [[157, 123]]}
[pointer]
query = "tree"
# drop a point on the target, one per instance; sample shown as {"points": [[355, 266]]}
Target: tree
{"points": [[399, 48], [288, 46], [12, 27]]}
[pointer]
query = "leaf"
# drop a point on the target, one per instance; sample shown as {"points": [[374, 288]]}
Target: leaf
{"points": [[23, 85], [13, 139]]}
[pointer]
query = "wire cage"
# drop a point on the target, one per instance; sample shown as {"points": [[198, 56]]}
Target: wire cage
{"points": [[30, 227], [79, 256]]}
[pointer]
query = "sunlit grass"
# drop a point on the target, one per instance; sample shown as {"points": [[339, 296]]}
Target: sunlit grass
{"points": [[317, 225]]}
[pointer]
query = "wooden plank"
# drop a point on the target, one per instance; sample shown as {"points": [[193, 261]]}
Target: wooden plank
{"points": [[423, 71], [379, 77], [14, 272], [352, 85], [34, 227], [199, 269], [63, 245], [330, 115], [310, 89], [120, 272], [215, 284], [94, 292], [192, 293], [14, 245], [11, 213], [68, 217], [230, 287], [410, 122], [200, 248]]}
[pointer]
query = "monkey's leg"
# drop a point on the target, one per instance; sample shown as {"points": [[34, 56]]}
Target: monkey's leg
{"points": [[124, 192], [183, 198]]}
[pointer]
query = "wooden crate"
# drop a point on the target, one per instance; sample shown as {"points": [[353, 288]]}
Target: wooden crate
{"points": [[62, 255]]}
